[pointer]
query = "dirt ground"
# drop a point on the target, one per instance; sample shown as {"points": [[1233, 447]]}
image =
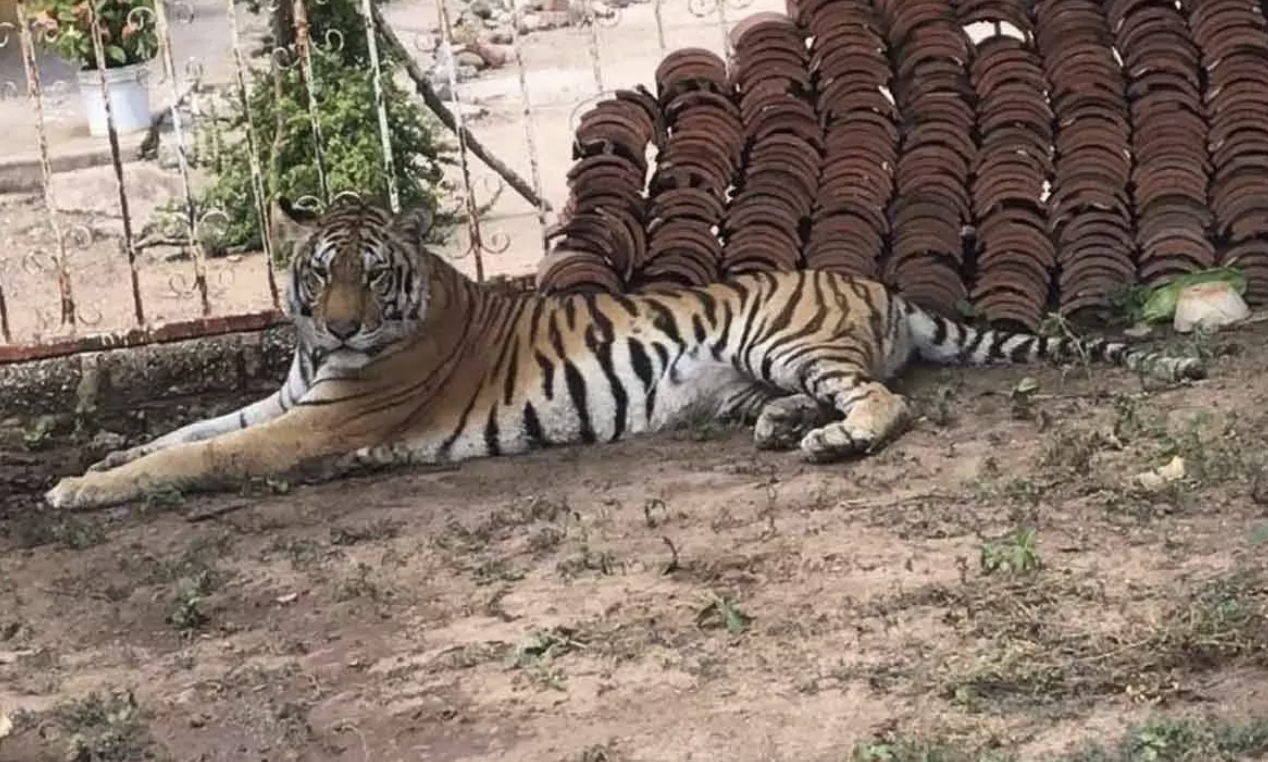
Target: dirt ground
{"points": [[994, 584]]}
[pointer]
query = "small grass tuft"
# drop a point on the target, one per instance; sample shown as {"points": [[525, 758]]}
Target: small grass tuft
{"points": [[41, 528], [1165, 739], [536, 657], [1224, 619], [723, 612], [106, 728], [186, 613], [1016, 554]]}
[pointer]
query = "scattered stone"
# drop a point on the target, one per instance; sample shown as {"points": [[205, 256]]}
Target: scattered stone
{"points": [[106, 441], [493, 56], [482, 9], [602, 10], [531, 22], [471, 59], [1210, 305], [502, 35], [1155, 479]]}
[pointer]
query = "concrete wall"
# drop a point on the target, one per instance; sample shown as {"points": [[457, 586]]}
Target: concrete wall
{"points": [[119, 379]]}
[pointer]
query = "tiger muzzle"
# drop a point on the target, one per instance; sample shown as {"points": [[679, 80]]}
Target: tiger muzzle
{"points": [[343, 329]]}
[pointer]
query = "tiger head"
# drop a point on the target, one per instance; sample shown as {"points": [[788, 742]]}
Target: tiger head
{"points": [[357, 284]]}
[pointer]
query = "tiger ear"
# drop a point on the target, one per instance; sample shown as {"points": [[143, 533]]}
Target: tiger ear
{"points": [[290, 225], [414, 224]]}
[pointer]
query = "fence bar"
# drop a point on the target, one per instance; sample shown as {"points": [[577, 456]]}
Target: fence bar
{"points": [[593, 22], [434, 104], [141, 336], [64, 288], [473, 221], [182, 163], [385, 138], [129, 246], [304, 49], [253, 159], [530, 132], [658, 13]]}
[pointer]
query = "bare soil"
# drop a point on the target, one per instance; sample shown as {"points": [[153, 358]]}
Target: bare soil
{"points": [[994, 583]]}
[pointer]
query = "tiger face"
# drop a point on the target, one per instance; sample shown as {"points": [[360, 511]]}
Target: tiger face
{"points": [[356, 286]]}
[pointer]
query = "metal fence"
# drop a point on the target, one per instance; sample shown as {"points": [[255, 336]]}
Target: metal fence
{"points": [[109, 240]]}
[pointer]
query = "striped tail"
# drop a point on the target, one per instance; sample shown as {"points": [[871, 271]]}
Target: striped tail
{"points": [[940, 340]]}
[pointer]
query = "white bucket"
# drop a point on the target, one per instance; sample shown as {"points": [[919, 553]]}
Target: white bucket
{"points": [[129, 99]]}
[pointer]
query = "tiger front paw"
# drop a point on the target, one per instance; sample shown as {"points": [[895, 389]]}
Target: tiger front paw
{"points": [[88, 491]]}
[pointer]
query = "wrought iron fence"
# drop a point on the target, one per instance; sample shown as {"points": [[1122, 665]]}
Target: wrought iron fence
{"points": [[127, 250]]}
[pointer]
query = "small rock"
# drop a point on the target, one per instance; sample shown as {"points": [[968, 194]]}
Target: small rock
{"points": [[1212, 305], [502, 35], [440, 79], [107, 441], [602, 10], [471, 59], [494, 56], [482, 9], [1259, 489], [531, 22], [1139, 331], [1160, 477]]}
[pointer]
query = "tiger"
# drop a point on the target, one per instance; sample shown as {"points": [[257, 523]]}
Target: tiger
{"points": [[402, 359]]}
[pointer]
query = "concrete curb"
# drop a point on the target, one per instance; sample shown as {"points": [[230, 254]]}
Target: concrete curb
{"points": [[117, 380], [22, 174]]}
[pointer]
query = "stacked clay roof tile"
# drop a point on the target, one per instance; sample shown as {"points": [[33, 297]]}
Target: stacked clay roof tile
{"points": [[696, 166], [1101, 144], [1233, 38], [601, 239], [1172, 167], [1089, 211], [1015, 253], [930, 207], [783, 144], [848, 226]]}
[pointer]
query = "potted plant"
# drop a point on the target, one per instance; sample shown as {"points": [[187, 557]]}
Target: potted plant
{"points": [[129, 40]]}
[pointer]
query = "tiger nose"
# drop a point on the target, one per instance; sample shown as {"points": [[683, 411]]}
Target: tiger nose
{"points": [[343, 329]]}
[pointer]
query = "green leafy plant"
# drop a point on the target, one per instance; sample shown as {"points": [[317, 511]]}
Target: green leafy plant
{"points": [[350, 151], [1015, 554], [127, 30]]}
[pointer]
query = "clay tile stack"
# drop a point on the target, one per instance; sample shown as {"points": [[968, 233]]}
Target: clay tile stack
{"points": [[693, 170], [1168, 139], [1234, 47], [782, 143], [848, 223], [1015, 254], [1089, 210], [931, 204], [600, 238]]}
